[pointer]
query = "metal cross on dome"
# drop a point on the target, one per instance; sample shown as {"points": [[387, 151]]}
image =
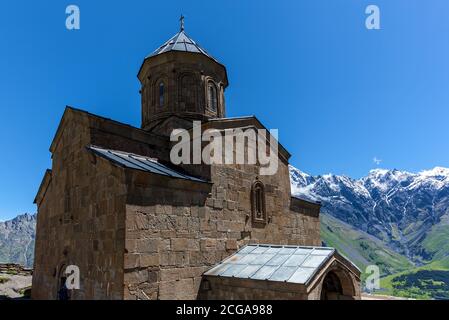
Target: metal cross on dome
{"points": [[182, 22]]}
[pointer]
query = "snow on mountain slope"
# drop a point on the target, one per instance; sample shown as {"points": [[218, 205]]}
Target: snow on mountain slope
{"points": [[397, 207], [17, 240]]}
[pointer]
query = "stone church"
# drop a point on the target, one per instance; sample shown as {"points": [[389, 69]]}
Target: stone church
{"points": [[139, 227]]}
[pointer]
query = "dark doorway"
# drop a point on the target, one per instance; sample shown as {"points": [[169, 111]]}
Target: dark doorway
{"points": [[332, 288], [63, 292]]}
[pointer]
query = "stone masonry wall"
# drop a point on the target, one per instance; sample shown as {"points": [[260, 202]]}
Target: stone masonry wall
{"points": [[220, 288], [136, 235], [80, 220], [175, 231], [165, 254]]}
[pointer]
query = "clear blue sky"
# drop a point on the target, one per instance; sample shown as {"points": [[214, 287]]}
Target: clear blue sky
{"points": [[340, 94]]}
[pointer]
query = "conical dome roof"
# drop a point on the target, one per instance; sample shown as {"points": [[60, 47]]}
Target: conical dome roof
{"points": [[180, 42]]}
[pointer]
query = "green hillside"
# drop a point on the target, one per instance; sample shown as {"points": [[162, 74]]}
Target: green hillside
{"points": [[361, 248], [430, 281], [436, 243], [400, 277]]}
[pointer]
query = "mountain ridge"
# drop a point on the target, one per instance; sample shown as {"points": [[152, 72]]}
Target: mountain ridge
{"points": [[17, 238], [399, 208]]}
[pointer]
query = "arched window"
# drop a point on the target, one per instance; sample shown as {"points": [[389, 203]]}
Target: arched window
{"points": [[188, 96], [258, 203], [211, 96], [161, 94]]}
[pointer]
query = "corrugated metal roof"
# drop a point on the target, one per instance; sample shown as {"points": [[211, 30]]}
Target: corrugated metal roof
{"points": [[180, 42], [138, 162], [295, 264]]}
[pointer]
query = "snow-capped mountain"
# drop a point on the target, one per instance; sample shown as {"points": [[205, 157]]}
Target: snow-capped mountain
{"points": [[17, 240], [400, 208]]}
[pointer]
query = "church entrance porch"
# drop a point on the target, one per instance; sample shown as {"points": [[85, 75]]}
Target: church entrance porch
{"points": [[282, 272], [333, 289]]}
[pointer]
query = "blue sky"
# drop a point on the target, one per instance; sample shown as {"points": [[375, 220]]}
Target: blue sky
{"points": [[340, 94]]}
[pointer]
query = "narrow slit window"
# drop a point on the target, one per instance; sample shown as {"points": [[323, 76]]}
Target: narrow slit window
{"points": [[212, 97], [259, 200], [258, 203], [161, 94]]}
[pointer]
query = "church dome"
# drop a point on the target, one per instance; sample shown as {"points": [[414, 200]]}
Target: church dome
{"points": [[180, 42], [181, 80]]}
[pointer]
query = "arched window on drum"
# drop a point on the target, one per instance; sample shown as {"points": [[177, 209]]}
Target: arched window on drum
{"points": [[212, 98]]}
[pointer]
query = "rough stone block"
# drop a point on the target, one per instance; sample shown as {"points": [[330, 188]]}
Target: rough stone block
{"points": [[148, 245], [180, 244], [131, 261], [149, 260], [231, 244]]}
